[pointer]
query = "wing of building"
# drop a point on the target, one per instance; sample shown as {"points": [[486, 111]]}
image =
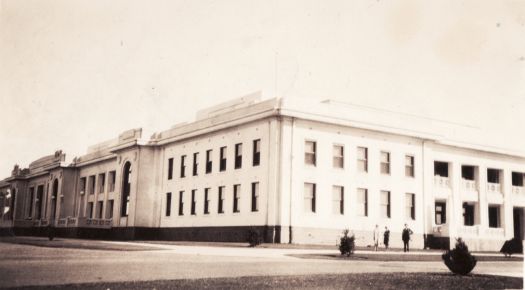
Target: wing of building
{"points": [[296, 171]]}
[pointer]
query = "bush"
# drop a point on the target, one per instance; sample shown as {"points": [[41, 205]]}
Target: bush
{"points": [[347, 243], [513, 246], [459, 260], [254, 238]]}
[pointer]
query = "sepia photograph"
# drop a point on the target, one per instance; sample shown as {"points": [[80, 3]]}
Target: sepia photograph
{"points": [[243, 144]]}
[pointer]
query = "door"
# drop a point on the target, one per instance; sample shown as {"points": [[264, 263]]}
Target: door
{"points": [[518, 222]]}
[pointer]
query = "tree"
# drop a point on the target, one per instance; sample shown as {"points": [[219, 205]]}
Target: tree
{"points": [[347, 243]]}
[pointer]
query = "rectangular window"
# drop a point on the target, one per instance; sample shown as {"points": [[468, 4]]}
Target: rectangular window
{"points": [[385, 162], [91, 185], [362, 159], [183, 166], [494, 216], [206, 201], [256, 152], [385, 204], [493, 175], [220, 203], [222, 162], [362, 202], [195, 163], [100, 208], [82, 185], [236, 197], [409, 166], [38, 201], [208, 161], [101, 182], [467, 172], [309, 197], [309, 153], [440, 169], [238, 156], [168, 204], [193, 201], [410, 206], [170, 168], [30, 202], [109, 209], [338, 200], [517, 179], [181, 203], [468, 214], [112, 180], [255, 196], [441, 212], [90, 210], [338, 156]]}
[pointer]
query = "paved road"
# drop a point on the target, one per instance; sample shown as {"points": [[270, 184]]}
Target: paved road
{"points": [[22, 265]]}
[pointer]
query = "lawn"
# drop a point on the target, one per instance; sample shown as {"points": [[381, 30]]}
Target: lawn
{"points": [[330, 281]]}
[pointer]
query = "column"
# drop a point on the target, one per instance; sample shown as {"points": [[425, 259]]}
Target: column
{"points": [[483, 201], [507, 217], [455, 219]]}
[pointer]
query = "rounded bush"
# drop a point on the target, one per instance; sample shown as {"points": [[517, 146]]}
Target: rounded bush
{"points": [[459, 260]]}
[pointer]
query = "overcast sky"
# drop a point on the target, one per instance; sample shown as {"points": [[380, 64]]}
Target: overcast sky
{"points": [[75, 73]]}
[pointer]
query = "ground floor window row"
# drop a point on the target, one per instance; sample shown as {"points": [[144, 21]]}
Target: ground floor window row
{"points": [[40, 203], [220, 194], [362, 201], [470, 214], [96, 209]]}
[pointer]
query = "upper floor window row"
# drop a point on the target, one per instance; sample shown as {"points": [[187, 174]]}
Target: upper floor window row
{"points": [[338, 158], [91, 186], [223, 151]]}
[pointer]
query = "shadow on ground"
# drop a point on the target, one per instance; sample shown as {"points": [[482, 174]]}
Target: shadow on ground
{"points": [[397, 257]]}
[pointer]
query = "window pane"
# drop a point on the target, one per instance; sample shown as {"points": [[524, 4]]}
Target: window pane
{"points": [[309, 147], [361, 153], [385, 157], [384, 197]]}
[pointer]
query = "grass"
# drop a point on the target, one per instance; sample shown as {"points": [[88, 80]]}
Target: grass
{"points": [[328, 281]]}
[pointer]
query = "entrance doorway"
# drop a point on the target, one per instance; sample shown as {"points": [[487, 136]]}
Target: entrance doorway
{"points": [[518, 222]]}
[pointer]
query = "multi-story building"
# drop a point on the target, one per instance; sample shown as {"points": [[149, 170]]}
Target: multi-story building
{"points": [[296, 171]]}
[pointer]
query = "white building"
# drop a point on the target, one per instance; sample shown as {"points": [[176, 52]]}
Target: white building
{"points": [[296, 171]]}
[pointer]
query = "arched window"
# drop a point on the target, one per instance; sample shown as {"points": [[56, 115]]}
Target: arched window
{"points": [[54, 197], [126, 189]]}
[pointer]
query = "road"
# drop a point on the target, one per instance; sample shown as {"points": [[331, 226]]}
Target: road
{"points": [[25, 265]]}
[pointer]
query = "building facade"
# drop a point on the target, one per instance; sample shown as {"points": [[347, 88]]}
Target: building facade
{"points": [[295, 171]]}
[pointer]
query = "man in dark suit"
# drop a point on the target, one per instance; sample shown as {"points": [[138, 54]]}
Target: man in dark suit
{"points": [[406, 237]]}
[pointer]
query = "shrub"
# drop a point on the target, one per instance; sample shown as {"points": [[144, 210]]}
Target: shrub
{"points": [[347, 243], [254, 238], [513, 246], [459, 260]]}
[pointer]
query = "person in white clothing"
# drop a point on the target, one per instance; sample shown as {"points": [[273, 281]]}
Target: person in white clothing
{"points": [[376, 237]]}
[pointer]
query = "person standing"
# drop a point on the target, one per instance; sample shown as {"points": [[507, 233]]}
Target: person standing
{"points": [[386, 237], [376, 237], [406, 238]]}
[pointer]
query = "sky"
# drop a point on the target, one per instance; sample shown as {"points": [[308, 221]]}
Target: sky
{"points": [[75, 73]]}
